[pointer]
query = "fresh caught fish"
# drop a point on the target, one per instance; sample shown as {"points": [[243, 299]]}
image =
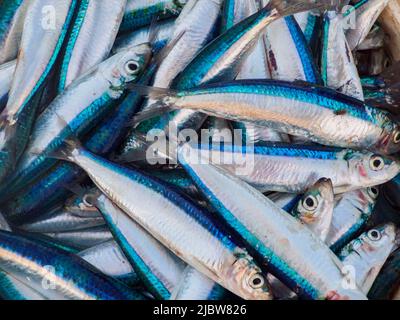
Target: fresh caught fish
{"points": [[295, 168], [169, 220], [315, 208], [367, 254], [6, 76], [287, 247], [110, 260], [339, 70], [94, 31], [159, 269], [56, 274], [164, 33], [319, 114], [139, 13], [75, 109], [366, 13], [350, 215], [38, 52], [61, 220], [82, 239], [195, 286], [12, 21]]}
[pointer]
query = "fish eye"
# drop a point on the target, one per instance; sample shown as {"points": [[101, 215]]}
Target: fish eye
{"points": [[396, 137], [310, 203], [374, 235], [256, 281], [373, 192], [88, 200], [131, 67], [376, 163]]}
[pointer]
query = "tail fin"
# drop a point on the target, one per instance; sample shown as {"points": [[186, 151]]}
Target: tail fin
{"points": [[290, 7], [162, 106], [387, 97]]}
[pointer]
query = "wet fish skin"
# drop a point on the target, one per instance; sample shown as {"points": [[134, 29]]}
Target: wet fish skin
{"points": [[339, 70], [139, 13], [366, 13], [294, 168], [6, 76], [350, 215], [159, 269], [319, 114], [110, 260], [196, 286], [82, 239], [368, 253], [61, 220], [37, 55], [113, 179], [12, 20], [76, 112], [72, 276], [271, 233], [315, 208], [94, 31]]}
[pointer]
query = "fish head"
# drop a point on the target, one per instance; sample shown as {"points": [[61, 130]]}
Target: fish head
{"points": [[390, 141], [127, 65], [316, 203], [374, 244], [247, 280], [372, 169]]}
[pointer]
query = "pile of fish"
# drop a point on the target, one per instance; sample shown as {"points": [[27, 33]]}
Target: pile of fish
{"points": [[199, 149]]}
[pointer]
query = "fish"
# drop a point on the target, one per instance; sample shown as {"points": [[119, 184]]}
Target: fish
{"points": [[56, 274], [287, 247], [110, 260], [80, 111], [339, 70], [141, 13], [366, 13], [12, 21], [315, 208], [83, 238], [351, 213], [95, 30], [38, 52], [367, 254], [290, 168], [236, 271], [159, 269], [319, 114], [194, 285], [60, 220]]}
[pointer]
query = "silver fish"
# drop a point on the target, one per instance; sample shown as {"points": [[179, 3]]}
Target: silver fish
{"points": [[286, 246], [97, 23], [365, 16], [350, 215], [338, 67], [367, 254], [174, 222]]}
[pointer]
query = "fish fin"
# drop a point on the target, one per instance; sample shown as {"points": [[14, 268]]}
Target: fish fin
{"points": [[154, 29], [387, 97], [290, 7], [141, 152], [160, 107]]}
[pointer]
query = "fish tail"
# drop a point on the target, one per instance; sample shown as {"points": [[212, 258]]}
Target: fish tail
{"points": [[164, 102], [290, 7], [386, 96]]}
